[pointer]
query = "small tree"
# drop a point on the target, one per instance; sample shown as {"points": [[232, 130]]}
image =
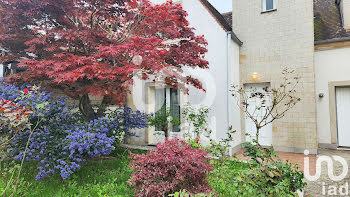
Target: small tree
{"points": [[283, 98]]}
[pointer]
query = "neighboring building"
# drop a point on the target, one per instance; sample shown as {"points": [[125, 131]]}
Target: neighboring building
{"points": [[312, 37], [332, 65], [223, 57], [278, 34]]}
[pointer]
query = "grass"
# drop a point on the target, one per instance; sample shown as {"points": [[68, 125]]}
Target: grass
{"points": [[106, 178], [95, 178]]}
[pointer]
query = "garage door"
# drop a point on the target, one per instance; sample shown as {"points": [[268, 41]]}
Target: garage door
{"points": [[343, 115]]}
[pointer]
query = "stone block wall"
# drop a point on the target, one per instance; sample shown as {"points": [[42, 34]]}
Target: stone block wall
{"points": [[275, 40]]}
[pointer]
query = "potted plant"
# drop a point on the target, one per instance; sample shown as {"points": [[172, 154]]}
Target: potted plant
{"points": [[161, 120]]}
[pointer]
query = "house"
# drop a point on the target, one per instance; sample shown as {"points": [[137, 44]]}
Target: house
{"points": [[8, 67], [223, 56], [313, 38], [250, 46], [2, 67], [2, 71]]}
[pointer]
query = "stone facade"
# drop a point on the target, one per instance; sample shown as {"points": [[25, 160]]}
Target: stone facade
{"points": [[275, 40]]}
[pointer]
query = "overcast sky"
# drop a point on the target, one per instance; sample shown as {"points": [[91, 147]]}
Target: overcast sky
{"points": [[222, 5]]}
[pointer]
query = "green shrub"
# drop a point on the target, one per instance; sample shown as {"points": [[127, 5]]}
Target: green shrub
{"points": [[276, 172], [264, 175], [224, 179], [184, 193]]}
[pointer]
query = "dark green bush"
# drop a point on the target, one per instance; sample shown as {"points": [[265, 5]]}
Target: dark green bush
{"points": [[264, 175]]}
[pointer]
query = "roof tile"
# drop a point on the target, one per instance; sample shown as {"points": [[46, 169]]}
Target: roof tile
{"points": [[327, 21]]}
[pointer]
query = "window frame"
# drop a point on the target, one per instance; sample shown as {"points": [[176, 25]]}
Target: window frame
{"points": [[264, 4], [167, 101]]}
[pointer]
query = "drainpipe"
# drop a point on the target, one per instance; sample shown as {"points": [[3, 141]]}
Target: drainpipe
{"points": [[229, 65]]}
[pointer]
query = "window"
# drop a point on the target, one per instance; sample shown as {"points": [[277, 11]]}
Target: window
{"points": [[168, 99], [175, 107], [268, 5], [160, 105]]}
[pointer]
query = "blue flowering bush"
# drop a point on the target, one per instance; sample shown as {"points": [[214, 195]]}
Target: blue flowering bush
{"points": [[63, 140]]}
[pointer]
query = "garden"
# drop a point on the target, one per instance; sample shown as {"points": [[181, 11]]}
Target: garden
{"points": [[50, 150], [52, 145]]}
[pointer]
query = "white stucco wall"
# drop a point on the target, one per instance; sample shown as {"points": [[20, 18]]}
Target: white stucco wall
{"points": [[215, 80], [1, 70], [234, 80], [330, 66], [345, 12], [205, 24]]}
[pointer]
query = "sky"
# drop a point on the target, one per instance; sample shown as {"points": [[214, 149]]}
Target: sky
{"points": [[222, 5]]}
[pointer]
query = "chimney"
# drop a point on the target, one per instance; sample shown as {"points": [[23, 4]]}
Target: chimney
{"points": [[344, 6]]}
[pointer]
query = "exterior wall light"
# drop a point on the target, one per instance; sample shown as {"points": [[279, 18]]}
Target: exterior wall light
{"points": [[255, 76], [321, 95]]}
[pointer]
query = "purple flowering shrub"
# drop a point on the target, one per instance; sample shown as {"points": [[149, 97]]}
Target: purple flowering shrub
{"points": [[62, 147], [63, 140]]}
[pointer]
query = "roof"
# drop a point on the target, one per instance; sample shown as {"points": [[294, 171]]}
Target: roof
{"points": [[228, 17], [327, 22], [226, 25]]}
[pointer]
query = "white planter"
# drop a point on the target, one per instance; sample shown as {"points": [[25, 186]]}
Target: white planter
{"points": [[175, 135], [158, 137]]}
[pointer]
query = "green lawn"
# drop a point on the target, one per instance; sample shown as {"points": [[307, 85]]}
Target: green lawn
{"points": [[95, 178], [106, 177]]}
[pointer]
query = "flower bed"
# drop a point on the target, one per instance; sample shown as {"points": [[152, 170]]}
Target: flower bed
{"points": [[57, 137]]}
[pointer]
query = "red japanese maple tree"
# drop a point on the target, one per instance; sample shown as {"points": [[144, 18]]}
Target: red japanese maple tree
{"points": [[95, 47]]}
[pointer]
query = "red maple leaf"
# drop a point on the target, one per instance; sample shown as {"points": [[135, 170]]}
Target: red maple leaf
{"points": [[87, 47]]}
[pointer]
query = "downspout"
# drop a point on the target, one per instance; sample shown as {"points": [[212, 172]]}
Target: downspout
{"points": [[229, 65]]}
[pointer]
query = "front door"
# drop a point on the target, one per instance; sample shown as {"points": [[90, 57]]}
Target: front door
{"points": [[343, 115], [265, 136]]}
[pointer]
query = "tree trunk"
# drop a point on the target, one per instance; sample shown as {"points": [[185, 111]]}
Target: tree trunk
{"points": [[106, 101], [87, 109], [257, 135], [166, 133]]}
